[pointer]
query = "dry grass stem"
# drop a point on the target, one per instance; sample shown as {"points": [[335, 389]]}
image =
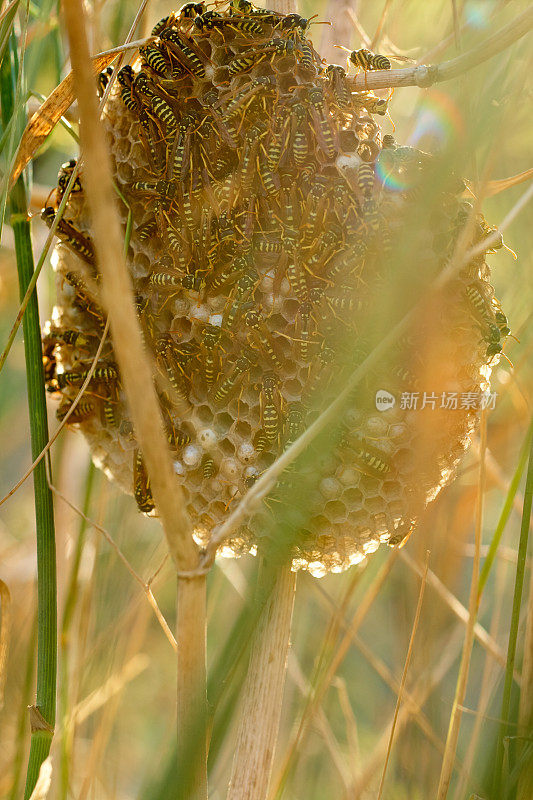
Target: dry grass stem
{"points": [[426, 683], [326, 678], [480, 633], [127, 339], [462, 680], [297, 675], [352, 734], [385, 674], [115, 684], [404, 675], [419, 716], [138, 384], [145, 585], [48, 115], [424, 75], [5, 630], [489, 681], [381, 24], [263, 692], [354, 19], [495, 472]]}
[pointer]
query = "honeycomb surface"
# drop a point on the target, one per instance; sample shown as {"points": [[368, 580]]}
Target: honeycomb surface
{"points": [[263, 240]]}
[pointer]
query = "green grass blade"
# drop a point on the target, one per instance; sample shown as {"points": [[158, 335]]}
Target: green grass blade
{"points": [[5, 28], [506, 512], [71, 599], [513, 633], [44, 513]]}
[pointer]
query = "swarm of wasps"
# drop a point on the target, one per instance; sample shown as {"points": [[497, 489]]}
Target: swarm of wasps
{"points": [[261, 238]]}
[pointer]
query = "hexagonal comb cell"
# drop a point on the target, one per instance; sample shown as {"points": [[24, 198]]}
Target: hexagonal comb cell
{"points": [[268, 213]]}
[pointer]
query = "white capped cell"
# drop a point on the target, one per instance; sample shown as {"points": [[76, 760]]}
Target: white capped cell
{"points": [[246, 452], [56, 313], [251, 472], [216, 320], [191, 455], [356, 558], [371, 546], [317, 569], [267, 282], [376, 426], [329, 487], [216, 485], [349, 476], [348, 162], [180, 307], [207, 438], [179, 469], [200, 313], [397, 431]]}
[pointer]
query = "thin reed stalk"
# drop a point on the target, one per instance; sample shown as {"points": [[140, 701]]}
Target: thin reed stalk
{"points": [[263, 689], [42, 714], [138, 384], [191, 689]]}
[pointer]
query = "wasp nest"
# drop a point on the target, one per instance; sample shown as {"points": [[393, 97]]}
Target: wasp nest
{"points": [[262, 244]]}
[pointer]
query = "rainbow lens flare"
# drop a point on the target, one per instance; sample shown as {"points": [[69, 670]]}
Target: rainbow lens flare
{"points": [[478, 13], [438, 125], [391, 178]]}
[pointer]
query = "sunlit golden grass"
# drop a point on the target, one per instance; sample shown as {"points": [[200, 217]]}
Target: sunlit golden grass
{"points": [[352, 693]]}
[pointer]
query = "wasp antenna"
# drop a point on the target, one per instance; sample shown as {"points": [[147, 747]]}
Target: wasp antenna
{"points": [[322, 22], [341, 47], [507, 359], [46, 205], [512, 252]]}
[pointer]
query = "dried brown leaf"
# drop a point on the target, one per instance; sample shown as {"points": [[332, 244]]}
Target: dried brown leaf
{"points": [[48, 115], [495, 187]]}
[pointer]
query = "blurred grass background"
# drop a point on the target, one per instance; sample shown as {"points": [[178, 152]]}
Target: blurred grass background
{"points": [[114, 652]]}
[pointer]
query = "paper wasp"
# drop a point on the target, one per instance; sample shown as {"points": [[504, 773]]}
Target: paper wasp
{"points": [[141, 484], [227, 385], [70, 235]]}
